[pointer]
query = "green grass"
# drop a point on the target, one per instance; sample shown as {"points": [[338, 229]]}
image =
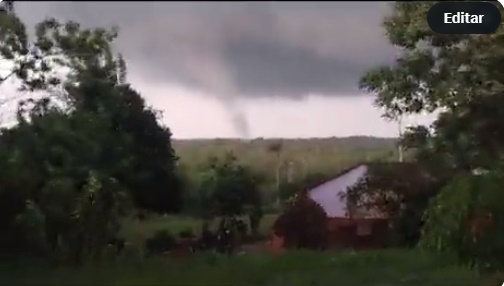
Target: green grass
{"points": [[375, 268]]}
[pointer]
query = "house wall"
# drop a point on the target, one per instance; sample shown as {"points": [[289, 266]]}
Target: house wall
{"points": [[364, 229], [326, 195], [358, 233], [276, 244], [350, 233]]}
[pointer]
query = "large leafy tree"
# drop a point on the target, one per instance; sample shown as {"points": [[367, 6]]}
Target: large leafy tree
{"points": [[458, 75], [94, 81], [230, 189], [461, 77], [55, 172], [150, 175], [303, 225], [399, 190], [90, 141], [467, 219]]}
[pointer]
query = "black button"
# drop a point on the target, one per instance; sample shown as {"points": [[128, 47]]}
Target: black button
{"points": [[464, 18]]}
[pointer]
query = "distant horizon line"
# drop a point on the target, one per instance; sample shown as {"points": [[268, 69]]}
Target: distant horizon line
{"points": [[284, 138]]}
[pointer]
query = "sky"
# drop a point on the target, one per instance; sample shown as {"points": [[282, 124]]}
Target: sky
{"points": [[247, 69]]}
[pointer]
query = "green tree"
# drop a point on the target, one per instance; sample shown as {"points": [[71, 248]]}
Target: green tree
{"points": [[303, 225], [230, 189], [49, 160], [79, 153], [460, 76], [95, 83], [152, 178], [399, 190], [467, 219]]}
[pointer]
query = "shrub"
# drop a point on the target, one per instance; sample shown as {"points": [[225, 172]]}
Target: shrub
{"points": [[255, 217], [304, 225], [186, 233], [160, 242], [399, 190], [467, 219]]}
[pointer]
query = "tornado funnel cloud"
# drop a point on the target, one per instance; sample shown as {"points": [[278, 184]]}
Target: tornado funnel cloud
{"points": [[238, 118]]}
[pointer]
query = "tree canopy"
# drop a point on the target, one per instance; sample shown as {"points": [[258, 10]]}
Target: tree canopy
{"points": [[80, 154], [461, 77], [229, 187], [456, 75]]}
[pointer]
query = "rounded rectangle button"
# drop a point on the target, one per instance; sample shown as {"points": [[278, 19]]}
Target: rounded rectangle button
{"points": [[464, 18]]}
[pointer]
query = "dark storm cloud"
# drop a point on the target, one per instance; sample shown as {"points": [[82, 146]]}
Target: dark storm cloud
{"points": [[257, 70], [241, 49]]}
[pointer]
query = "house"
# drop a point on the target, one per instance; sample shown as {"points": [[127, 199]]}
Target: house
{"points": [[349, 226]]}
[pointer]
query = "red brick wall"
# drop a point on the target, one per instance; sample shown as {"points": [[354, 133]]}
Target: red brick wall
{"points": [[343, 233], [276, 244]]}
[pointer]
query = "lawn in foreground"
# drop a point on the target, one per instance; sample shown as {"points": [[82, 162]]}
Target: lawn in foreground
{"points": [[390, 267]]}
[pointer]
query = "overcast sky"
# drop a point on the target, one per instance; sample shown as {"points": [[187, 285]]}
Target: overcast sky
{"points": [[247, 69]]}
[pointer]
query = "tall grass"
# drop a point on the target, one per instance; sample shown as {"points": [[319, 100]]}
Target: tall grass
{"points": [[386, 267]]}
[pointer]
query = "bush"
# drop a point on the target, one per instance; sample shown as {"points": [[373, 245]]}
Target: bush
{"points": [[160, 242], [186, 233], [467, 219], [399, 190], [304, 225]]}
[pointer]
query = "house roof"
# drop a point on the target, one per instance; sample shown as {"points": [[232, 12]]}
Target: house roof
{"points": [[337, 175], [346, 170], [327, 194], [356, 165]]}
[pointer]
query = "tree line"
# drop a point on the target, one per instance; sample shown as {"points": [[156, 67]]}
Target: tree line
{"points": [[283, 166]]}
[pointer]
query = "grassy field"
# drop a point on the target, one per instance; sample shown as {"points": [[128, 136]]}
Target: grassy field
{"points": [[295, 268], [327, 156], [378, 268], [389, 267]]}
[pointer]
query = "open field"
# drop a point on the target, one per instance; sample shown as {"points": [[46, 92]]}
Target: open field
{"points": [[318, 155], [386, 267]]}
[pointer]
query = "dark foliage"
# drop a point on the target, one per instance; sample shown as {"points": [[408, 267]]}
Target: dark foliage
{"points": [[117, 244], [151, 178], [207, 240], [80, 156], [228, 235], [460, 76], [161, 242], [401, 191], [255, 218], [304, 226], [467, 219], [187, 233]]}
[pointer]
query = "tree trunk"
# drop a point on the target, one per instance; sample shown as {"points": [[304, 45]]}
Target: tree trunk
{"points": [[277, 177]]}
